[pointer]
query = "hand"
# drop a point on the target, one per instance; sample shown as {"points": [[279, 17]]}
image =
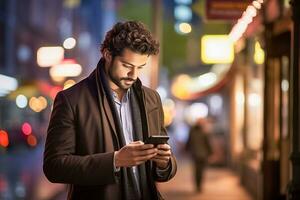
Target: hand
{"points": [[134, 154], [163, 156]]}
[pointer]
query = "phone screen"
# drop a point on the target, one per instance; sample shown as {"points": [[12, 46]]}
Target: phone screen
{"points": [[157, 139]]}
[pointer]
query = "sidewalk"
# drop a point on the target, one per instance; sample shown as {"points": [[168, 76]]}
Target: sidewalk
{"points": [[219, 184]]}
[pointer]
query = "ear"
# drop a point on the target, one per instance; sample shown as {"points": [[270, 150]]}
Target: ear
{"points": [[107, 56]]}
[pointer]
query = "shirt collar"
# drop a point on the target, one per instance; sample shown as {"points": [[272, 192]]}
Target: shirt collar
{"points": [[125, 97]]}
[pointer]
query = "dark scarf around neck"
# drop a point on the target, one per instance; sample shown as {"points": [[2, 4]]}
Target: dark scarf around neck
{"points": [[148, 188]]}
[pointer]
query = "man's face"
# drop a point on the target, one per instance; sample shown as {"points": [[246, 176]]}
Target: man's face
{"points": [[124, 70]]}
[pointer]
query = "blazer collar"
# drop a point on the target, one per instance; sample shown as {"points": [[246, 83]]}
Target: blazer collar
{"points": [[99, 74]]}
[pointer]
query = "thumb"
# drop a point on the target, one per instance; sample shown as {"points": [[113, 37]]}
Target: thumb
{"points": [[137, 142]]}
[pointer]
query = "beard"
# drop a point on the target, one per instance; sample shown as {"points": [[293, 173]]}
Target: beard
{"points": [[123, 82]]}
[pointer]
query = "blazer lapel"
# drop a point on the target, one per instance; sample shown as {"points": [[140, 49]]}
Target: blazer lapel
{"points": [[104, 101], [109, 115], [136, 117]]}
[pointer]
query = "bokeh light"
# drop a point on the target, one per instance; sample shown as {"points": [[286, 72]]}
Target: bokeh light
{"points": [[38, 104], [4, 141], [21, 101], [26, 128], [217, 49], [285, 85], [31, 140], [69, 83], [169, 111], [259, 54], [48, 56], [69, 43], [183, 13], [67, 68], [7, 84], [183, 28], [195, 111]]}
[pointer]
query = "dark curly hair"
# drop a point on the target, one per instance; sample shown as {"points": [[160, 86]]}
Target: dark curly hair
{"points": [[132, 35]]}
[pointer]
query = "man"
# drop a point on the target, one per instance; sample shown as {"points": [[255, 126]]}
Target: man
{"points": [[199, 146], [97, 127]]}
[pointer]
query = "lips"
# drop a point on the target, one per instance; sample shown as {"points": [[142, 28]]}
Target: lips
{"points": [[128, 82]]}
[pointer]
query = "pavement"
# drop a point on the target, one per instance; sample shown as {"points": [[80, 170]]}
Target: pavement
{"points": [[21, 177], [218, 184]]}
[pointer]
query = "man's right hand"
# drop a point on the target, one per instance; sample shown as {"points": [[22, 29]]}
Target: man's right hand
{"points": [[134, 154]]}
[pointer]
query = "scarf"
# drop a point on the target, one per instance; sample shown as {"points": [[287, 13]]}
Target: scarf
{"points": [[130, 189]]}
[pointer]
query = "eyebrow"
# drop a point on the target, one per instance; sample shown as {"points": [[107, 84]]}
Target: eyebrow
{"points": [[123, 61]]}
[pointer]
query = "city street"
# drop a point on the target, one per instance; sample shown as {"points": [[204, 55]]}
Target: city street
{"points": [[21, 176], [80, 79], [219, 183]]}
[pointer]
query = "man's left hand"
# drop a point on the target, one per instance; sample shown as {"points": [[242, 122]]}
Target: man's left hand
{"points": [[163, 156]]}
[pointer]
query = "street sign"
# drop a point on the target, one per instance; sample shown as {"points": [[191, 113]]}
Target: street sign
{"points": [[225, 9]]}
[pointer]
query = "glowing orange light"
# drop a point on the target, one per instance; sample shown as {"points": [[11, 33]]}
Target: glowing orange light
{"points": [[69, 83], [4, 138], [31, 140], [26, 128], [38, 104]]}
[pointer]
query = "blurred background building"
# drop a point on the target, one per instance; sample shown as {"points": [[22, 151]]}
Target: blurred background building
{"points": [[232, 62]]}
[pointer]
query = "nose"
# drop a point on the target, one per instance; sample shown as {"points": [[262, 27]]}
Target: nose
{"points": [[133, 73]]}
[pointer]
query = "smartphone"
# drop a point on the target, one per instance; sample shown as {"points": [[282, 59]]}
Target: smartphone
{"points": [[157, 139]]}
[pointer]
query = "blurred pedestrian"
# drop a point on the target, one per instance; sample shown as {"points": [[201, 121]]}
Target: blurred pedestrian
{"points": [[97, 127], [199, 146]]}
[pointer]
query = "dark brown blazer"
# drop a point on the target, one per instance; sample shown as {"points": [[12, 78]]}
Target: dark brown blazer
{"points": [[82, 138]]}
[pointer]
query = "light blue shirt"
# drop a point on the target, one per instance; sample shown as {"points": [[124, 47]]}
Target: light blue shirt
{"points": [[124, 112]]}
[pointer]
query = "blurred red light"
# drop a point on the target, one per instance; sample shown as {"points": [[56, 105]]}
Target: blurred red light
{"points": [[3, 138], [3, 184], [26, 128], [53, 92], [69, 61], [31, 140]]}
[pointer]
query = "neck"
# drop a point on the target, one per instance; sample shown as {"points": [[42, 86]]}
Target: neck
{"points": [[120, 92]]}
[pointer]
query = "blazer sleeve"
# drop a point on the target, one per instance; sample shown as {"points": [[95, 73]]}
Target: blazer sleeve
{"points": [[171, 170], [61, 165]]}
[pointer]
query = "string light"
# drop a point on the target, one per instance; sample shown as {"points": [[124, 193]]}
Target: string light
{"points": [[240, 27]]}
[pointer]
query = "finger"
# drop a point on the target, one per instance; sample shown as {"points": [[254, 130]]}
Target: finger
{"points": [[162, 158], [164, 153], [160, 161], [164, 146], [136, 145], [139, 142], [135, 163], [145, 146], [144, 158], [145, 152], [138, 163]]}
